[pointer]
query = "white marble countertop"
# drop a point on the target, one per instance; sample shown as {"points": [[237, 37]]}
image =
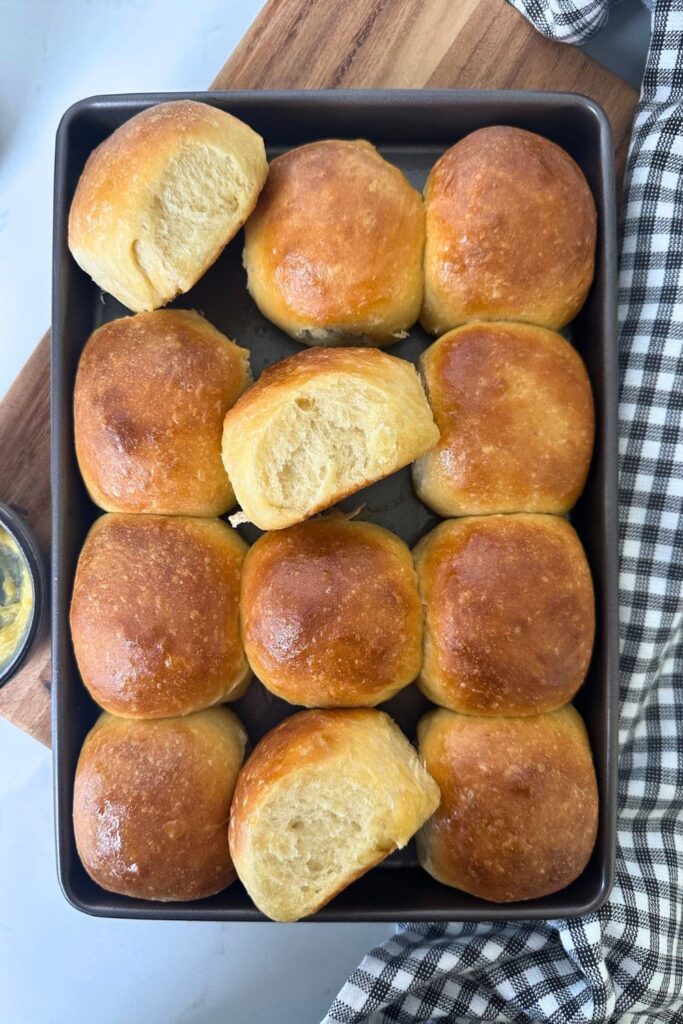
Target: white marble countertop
{"points": [[58, 966]]}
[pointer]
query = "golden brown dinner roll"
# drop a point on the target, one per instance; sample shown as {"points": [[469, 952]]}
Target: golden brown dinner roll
{"points": [[159, 199], [324, 797], [319, 426], [509, 614], [152, 801], [334, 249], [155, 615], [511, 227], [515, 410], [331, 615], [150, 397], [519, 803]]}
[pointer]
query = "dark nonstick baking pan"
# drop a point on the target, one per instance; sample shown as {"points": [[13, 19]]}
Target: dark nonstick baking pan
{"points": [[411, 129]]}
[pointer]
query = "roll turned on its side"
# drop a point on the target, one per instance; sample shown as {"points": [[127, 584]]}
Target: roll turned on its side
{"points": [[159, 199], [325, 796], [320, 425]]}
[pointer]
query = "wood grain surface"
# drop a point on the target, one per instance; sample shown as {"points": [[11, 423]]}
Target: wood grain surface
{"points": [[25, 484], [463, 44]]}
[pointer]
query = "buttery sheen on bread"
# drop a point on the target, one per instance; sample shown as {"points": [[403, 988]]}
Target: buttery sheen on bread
{"points": [[160, 198], [319, 426], [514, 407], [331, 616], [519, 803], [509, 614], [333, 251], [155, 614], [324, 797], [511, 229], [152, 802], [151, 394]]}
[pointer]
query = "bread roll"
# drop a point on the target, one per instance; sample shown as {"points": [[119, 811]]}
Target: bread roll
{"points": [[319, 426], [331, 615], [334, 249], [324, 797], [152, 801], [509, 614], [519, 803], [150, 397], [155, 615], [515, 410], [511, 228], [160, 198]]}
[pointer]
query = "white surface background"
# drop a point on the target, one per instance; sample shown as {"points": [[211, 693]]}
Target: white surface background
{"points": [[56, 965]]}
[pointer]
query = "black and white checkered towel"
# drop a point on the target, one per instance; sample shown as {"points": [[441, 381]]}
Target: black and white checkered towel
{"points": [[624, 963]]}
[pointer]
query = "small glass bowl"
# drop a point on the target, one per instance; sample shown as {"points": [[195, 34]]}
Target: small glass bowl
{"points": [[20, 531]]}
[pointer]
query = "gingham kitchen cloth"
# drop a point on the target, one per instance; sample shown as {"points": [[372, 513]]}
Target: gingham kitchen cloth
{"points": [[624, 963]]}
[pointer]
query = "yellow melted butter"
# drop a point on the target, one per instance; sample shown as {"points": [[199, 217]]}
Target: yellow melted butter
{"points": [[16, 596]]}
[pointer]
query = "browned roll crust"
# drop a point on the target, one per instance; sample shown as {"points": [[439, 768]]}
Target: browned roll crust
{"points": [[331, 615], [509, 614], [324, 797], [334, 248], [149, 401], [159, 199], [511, 229], [155, 615], [514, 407], [519, 803], [152, 802]]}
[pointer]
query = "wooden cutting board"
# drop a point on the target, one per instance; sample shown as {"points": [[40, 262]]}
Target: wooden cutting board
{"points": [[319, 44]]}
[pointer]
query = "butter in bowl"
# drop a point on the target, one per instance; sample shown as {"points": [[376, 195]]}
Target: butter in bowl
{"points": [[22, 591]]}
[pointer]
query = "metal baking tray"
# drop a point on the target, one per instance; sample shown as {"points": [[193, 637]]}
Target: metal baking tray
{"points": [[411, 129]]}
